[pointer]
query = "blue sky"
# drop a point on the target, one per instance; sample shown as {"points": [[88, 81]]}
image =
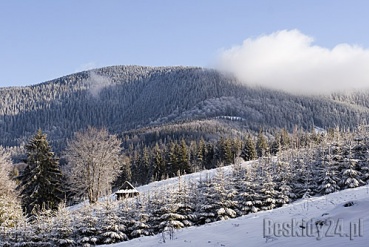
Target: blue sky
{"points": [[43, 40]]}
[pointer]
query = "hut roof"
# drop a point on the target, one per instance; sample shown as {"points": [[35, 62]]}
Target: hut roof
{"points": [[127, 187]]}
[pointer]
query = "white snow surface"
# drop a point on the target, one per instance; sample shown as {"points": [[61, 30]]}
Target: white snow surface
{"points": [[341, 226], [249, 230]]}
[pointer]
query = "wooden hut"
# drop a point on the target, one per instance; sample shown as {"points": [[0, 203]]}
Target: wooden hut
{"points": [[126, 191]]}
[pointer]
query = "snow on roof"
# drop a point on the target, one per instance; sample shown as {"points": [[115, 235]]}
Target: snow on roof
{"points": [[126, 191], [126, 188]]}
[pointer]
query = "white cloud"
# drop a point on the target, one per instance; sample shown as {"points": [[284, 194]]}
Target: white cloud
{"points": [[97, 83], [288, 60]]}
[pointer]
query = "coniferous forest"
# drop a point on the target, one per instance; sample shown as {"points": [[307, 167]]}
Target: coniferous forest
{"points": [[80, 137]]}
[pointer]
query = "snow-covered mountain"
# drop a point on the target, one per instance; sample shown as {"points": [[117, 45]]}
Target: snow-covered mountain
{"points": [[124, 98]]}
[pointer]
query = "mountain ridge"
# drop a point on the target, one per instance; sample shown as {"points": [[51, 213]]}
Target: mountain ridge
{"points": [[123, 98]]}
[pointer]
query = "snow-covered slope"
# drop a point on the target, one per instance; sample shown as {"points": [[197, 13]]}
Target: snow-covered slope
{"points": [[170, 182], [338, 219], [189, 178]]}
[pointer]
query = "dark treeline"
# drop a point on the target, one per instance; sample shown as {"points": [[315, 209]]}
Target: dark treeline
{"points": [[145, 164], [123, 98], [155, 159]]}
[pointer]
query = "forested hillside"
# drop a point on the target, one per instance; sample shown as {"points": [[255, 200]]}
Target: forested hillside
{"points": [[334, 164], [123, 98]]}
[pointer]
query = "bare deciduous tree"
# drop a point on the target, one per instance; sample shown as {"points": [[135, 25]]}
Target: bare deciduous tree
{"points": [[93, 163], [6, 185], [10, 209]]}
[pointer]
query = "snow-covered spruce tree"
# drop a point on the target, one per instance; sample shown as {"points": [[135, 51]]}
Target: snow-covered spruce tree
{"points": [[195, 199], [245, 190], [364, 170], [329, 183], [140, 226], [285, 194], [156, 208], [267, 191], [170, 219], [87, 226], [183, 204], [360, 152], [302, 163], [112, 229], [93, 163], [135, 214], [205, 208], [17, 236], [282, 175], [253, 195], [174, 213], [249, 150], [329, 179], [41, 181], [281, 170], [350, 175], [10, 207], [218, 199], [40, 234], [63, 228]]}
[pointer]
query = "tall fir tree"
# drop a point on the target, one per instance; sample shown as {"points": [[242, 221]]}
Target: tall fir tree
{"points": [[41, 181], [201, 155], [275, 146], [158, 163], [249, 150], [225, 155], [145, 168], [173, 159], [209, 158], [285, 139], [261, 145], [183, 158]]}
